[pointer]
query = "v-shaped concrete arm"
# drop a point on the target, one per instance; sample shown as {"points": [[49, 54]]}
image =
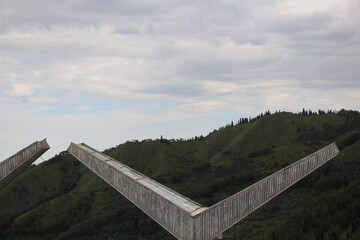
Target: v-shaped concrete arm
{"points": [[223, 215], [186, 219], [14, 165], [168, 208]]}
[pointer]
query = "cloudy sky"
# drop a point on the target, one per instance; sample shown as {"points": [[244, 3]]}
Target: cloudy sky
{"points": [[107, 71]]}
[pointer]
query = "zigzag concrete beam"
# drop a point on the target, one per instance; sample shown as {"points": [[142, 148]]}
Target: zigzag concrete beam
{"points": [[184, 218], [14, 165]]}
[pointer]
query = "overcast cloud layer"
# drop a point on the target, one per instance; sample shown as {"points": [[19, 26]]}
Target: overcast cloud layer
{"points": [[104, 72]]}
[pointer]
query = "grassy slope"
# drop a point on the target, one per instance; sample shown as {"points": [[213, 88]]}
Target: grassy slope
{"points": [[61, 199]]}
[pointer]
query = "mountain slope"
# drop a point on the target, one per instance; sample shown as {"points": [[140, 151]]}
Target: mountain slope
{"points": [[62, 199]]}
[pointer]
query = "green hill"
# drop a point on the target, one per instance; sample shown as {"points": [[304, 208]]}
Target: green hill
{"points": [[62, 199]]}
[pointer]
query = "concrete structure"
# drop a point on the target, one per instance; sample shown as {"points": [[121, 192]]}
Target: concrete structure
{"points": [[184, 218], [14, 165]]}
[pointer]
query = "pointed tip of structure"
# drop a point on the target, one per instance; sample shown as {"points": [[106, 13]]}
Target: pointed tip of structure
{"points": [[44, 144]]}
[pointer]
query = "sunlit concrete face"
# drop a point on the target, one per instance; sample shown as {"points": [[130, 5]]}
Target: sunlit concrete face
{"points": [[184, 218], [14, 165]]}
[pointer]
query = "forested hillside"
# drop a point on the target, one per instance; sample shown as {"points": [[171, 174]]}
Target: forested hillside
{"points": [[62, 199]]}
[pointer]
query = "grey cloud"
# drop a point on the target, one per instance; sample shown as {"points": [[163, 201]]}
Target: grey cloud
{"points": [[127, 30], [246, 56], [324, 39], [185, 40], [187, 90], [79, 13], [299, 24], [113, 7], [224, 71]]}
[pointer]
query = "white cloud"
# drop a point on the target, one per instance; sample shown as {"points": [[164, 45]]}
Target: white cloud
{"points": [[107, 64], [21, 90], [202, 107], [45, 99]]}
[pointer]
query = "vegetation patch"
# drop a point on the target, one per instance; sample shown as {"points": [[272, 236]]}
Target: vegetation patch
{"points": [[62, 199]]}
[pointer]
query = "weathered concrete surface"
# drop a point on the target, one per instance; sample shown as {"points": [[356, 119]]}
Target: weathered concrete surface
{"points": [[14, 165], [226, 213], [186, 219], [168, 208]]}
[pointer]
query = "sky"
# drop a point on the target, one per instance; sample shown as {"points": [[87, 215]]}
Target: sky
{"points": [[107, 71]]}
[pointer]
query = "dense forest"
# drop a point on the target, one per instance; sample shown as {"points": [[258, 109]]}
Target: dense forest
{"points": [[62, 199]]}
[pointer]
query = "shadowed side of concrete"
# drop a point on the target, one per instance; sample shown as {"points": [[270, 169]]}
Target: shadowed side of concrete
{"points": [[14, 165]]}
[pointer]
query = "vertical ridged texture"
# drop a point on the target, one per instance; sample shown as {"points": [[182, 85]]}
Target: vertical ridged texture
{"points": [[13, 165], [221, 216], [166, 207]]}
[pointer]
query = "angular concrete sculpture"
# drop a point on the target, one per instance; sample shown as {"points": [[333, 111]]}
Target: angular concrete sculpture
{"points": [[182, 217], [14, 165]]}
